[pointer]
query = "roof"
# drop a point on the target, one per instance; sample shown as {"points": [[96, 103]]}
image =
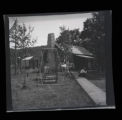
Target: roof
{"points": [[85, 56], [28, 58], [81, 52], [78, 51]]}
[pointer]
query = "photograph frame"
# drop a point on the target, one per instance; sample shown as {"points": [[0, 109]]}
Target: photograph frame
{"points": [[108, 46]]}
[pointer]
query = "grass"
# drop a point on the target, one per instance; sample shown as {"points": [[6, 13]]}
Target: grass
{"points": [[66, 93], [96, 78]]}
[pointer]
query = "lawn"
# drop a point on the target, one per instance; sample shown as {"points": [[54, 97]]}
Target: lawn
{"points": [[96, 78], [66, 93]]}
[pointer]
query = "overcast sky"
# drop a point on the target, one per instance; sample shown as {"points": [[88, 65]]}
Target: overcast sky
{"points": [[50, 24]]}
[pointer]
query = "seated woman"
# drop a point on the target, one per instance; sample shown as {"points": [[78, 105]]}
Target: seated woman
{"points": [[83, 72]]}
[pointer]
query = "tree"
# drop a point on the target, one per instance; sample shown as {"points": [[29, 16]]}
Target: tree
{"points": [[75, 37], [67, 37], [24, 37], [64, 36], [93, 36], [13, 37], [20, 35]]}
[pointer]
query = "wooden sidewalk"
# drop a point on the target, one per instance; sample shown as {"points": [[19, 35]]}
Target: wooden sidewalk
{"points": [[96, 94]]}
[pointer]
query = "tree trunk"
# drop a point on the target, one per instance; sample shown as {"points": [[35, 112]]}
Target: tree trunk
{"points": [[15, 58]]}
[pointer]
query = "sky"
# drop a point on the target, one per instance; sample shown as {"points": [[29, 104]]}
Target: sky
{"points": [[43, 25]]}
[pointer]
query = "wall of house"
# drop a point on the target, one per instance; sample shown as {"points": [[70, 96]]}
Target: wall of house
{"points": [[79, 63]]}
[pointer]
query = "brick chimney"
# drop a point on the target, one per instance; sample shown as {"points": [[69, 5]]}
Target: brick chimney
{"points": [[51, 40], [51, 55]]}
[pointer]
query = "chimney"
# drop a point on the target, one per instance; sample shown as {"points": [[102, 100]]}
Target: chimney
{"points": [[51, 40]]}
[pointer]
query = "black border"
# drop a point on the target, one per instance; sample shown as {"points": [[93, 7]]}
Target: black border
{"points": [[7, 58], [108, 50]]}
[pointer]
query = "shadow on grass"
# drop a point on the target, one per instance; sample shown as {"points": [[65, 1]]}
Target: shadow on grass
{"points": [[95, 76]]}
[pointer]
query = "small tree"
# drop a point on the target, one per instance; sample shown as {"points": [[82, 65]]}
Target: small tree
{"points": [[13, 38], [20, 35], [25, 40], [68, 37]]}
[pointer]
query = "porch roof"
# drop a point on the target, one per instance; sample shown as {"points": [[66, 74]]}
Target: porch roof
{"points": [[80, 51], [27, 58]]}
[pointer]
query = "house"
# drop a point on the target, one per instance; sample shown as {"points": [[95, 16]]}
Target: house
{"points": [[48, 56], [82, 57], [27, 62]]}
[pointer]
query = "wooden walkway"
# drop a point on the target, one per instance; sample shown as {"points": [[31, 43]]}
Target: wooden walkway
{"points": [[96, 94]]}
